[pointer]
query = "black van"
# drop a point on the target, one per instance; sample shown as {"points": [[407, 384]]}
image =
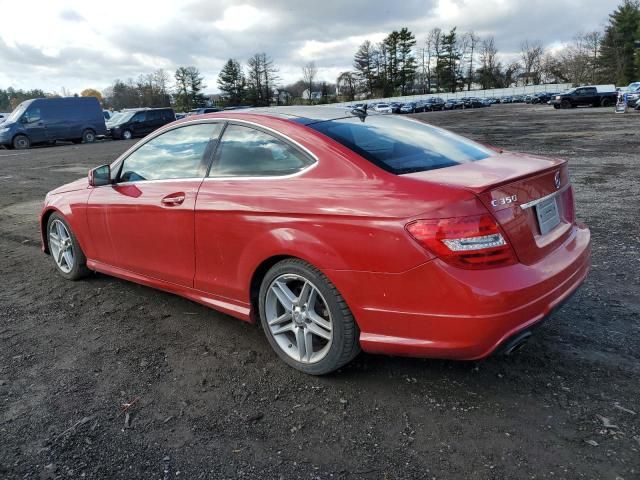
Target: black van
{"points": [[139, 122], [45, 120]]}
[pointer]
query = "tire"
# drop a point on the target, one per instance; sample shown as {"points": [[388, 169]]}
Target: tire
{"points": [[21, 142], [606, 102], [329, 308], [88, 136], [557, 107], [71, 262], [566, 104], [126, 135]]}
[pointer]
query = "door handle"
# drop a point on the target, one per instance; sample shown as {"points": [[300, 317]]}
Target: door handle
{"points": [[173, 199]]}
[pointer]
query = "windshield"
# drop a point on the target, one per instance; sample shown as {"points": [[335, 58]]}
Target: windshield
{"points": [[17, 113], [402, 146], [115, 117], [122, 117]]}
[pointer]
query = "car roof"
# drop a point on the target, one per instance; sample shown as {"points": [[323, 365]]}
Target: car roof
{"points": [[304, 115]]}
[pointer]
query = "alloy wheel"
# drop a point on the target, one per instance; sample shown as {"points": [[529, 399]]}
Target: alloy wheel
{"points": [[61, 246], [299, 318]]}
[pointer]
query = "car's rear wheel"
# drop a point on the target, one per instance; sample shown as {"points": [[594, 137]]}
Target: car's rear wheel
{"points": [[127, 135], [88, 136], [306, 320], [606, 102], [21, 142], [65, 250]]}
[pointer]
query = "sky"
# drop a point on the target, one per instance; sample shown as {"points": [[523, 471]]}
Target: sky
{"points": [[75, 44]]}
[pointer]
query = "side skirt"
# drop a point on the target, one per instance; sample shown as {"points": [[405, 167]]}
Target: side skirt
{"points": [[236, 309]]}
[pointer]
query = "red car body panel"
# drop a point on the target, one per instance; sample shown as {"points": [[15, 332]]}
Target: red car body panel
{"points": [[348, 218]]}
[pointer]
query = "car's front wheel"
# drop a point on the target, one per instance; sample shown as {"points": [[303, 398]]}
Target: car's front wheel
{"points": [[127, 135], [306, 320], [65, 250], [21, 142]]}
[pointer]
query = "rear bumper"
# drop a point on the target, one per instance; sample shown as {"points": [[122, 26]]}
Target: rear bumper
{"points": [[439, 311]]}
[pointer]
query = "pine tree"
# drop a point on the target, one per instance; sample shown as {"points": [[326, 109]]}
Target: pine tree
{"points": [[407, 65], [617, 51], [391, 44], [364, 63], [232, 82], [448, 61], [189, 86]]}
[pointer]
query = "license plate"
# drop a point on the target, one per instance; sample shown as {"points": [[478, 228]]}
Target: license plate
{"points": [[548, 215]]}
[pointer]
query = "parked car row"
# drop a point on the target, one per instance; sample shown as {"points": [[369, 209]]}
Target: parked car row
{"points": [[47, 120], [433, 104], [81, 119]]}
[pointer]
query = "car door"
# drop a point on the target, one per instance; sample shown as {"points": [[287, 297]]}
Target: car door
{"points": [[591, 96], [582, 96], [34, 125], [144, 222], [139, 124], [154, 120], [251, 170]]}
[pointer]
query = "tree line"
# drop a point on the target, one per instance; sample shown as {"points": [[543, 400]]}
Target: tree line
{"points": [[450, 61], [443, 61]]}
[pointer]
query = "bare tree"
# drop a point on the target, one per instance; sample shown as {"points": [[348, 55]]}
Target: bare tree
{"points": [[531, 53], [471, 41], [309, 72], [346, 85], [489, 70], [262, 75], [428, 54], [592, 41], [435, 41]]}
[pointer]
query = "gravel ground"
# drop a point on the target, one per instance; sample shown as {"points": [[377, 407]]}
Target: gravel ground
{"points": [[211, 400]]}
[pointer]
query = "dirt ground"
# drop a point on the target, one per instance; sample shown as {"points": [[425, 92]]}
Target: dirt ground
{"points": [[212, 401]]}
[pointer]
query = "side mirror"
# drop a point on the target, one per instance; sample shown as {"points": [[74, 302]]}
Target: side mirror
{"points": [[23, 119], [100, 176]]}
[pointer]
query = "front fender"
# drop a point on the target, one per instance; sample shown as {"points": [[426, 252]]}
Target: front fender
{"points": [[72, 206]]}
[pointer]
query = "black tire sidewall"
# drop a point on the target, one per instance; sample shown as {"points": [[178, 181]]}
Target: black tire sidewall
{"points": [[15, 140], [334, 358], [79, 269], [86, 133]]}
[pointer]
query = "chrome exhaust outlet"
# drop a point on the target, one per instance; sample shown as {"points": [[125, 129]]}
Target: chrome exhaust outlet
{"points": [[515, 343]]}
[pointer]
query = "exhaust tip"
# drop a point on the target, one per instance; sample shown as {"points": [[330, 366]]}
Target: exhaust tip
{"points": [[514, 344]]}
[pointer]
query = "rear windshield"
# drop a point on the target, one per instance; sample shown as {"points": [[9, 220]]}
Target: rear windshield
{"points": [[402, 146]]}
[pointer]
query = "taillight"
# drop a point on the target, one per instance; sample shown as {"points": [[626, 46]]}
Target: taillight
{"points": [[467, 242]]}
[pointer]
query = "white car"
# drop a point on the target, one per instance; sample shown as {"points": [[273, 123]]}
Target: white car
{"points": [[382, 108]]}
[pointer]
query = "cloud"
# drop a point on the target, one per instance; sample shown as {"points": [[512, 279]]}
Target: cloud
{"points": [[76, 45], [71, 16]]}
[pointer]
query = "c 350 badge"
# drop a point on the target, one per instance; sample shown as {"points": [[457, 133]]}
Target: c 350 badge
{"points": [[499, 202]]}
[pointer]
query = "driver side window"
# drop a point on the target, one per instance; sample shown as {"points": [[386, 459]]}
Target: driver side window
{"points": [[32, 115], [178, 153]]}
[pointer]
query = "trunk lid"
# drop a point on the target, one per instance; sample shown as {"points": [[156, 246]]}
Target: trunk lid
{"points": [[530, 197]]}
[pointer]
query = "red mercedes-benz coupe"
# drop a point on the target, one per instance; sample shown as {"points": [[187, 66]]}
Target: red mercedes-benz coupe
{"points": [[337, 230]]}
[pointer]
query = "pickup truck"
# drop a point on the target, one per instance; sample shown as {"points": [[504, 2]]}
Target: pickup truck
{"points": [[593, 96]]}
